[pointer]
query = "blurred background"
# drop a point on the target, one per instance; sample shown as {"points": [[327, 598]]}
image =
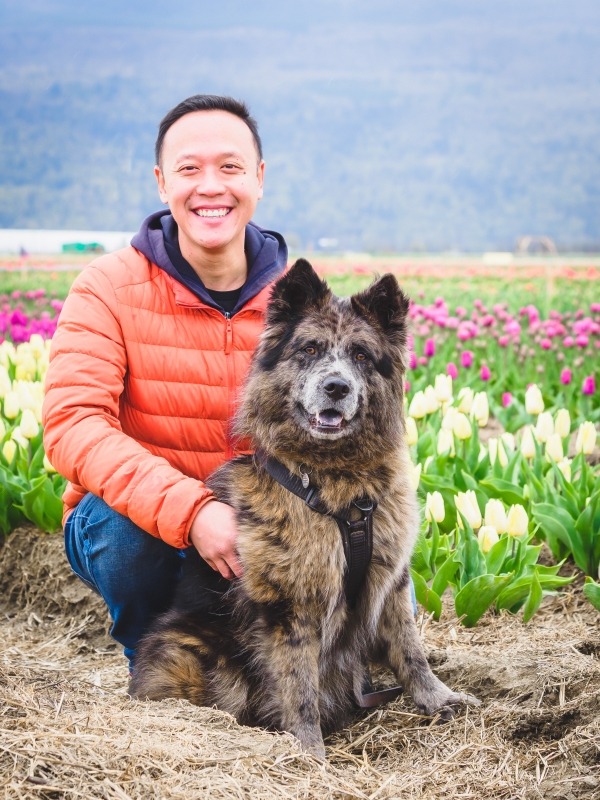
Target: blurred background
{"points": [[388, 126]]}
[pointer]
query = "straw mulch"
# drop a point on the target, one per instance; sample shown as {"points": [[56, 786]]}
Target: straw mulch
{"points": [[68, 729]]}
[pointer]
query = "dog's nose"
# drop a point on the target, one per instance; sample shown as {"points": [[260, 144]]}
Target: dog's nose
{"points": [[336, 388]]}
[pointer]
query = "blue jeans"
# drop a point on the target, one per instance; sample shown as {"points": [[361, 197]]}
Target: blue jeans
{"points": [[134, 572]]}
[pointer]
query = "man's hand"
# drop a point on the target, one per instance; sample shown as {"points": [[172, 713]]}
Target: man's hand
{"points": [[213, 534]]}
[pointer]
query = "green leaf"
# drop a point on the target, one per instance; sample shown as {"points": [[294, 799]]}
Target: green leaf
{"points": [[557, 525], [534, 599], [508, 492], [429, 599], [445, 574], [496, 555], [591, 590], [519, 589], [477, 596]]}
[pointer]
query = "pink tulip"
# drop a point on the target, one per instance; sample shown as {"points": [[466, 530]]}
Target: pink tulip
{"points": [[506, 399], [485, 373], [589, 385], [568, 341], [429, 348], [546, 343], [452, 370], [566, 376], [582, 340], [503, 340], [466, 358], [412, 360]]}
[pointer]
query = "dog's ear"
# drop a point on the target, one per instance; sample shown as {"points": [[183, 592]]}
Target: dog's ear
{"points": [[385, 303], [298, 289]]}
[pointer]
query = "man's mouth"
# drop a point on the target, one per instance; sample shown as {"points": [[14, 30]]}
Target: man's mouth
{"points": [[212, 212]]}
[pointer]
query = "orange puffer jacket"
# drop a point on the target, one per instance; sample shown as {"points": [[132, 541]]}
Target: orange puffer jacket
{"points": [[142, 384]]}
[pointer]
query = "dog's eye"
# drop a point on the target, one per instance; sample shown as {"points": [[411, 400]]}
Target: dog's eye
{"points": [[310, 350], [360, 356]]}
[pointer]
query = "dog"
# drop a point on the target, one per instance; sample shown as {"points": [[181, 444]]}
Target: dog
{"points": [[327, 521]]}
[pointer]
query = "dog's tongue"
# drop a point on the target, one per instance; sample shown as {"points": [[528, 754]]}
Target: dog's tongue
{"points": [[330, 418]]}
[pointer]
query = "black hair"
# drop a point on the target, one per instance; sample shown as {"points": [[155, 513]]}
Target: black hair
{"points": [[207, 102]]}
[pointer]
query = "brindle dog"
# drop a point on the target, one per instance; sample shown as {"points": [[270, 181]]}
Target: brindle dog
{"points": [[285, 646]]}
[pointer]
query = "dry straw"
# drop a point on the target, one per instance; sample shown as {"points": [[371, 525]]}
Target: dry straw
{"points": [[68, 730]]}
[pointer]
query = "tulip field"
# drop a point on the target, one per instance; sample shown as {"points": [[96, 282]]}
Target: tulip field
{"points": [[502, 405]]}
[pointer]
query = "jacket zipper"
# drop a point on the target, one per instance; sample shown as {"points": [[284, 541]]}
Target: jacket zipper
{"points": [[230, 383]]}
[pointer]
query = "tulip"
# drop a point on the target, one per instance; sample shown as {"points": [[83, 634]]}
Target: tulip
{"points": [[417, 407], [445, 442], [506, 399], [528, 442], [434, 507], [465, 399], [5, 381], [497, 451], [485, 373], [449, 418], [415, 476], [47, 465], [462, 427], [29, 425], [487, 538], [544, 427], [466, 358], [517, 521], [562, 423], [508, 441], [452, 370], [534, 402], [566, 376], [2, 428], [481, 409], [585, 441], [412, 435], [432, 404], [11, 405], [429, 349], [589, 385], [443, 388], [565, 467], [467, 505], [495, 515], [554, 448], [9, 449]]}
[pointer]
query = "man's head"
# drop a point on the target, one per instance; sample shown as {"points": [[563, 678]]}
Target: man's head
{"points": [[207, 102], [210, 172]]}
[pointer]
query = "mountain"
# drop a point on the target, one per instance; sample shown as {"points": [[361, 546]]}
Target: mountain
{"points": [[388, 125]]}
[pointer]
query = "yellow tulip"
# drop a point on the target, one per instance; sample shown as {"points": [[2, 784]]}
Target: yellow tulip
{"points": [[528, 443], [449, 418], [29, 426], [443, 388], [544, 427], [586, 438], [465, 399], [445, 442], [497, 451], [554, 448], [495, 515], [534, 402], [415, 476], [9, 448], [481, 409], [467, 505], [417, 408], [517, 521], [412, 435], [434, 507], [562, 423], [487, 538], [47, 465], [462, 427], [432, 404], [565, 467], [11, 405], [5, 381]]}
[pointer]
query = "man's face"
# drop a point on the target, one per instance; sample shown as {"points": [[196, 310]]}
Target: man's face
{"points": [[212, 180]]}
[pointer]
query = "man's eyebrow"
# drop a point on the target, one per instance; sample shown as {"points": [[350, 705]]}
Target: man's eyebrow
{"points": [[196, 156]]}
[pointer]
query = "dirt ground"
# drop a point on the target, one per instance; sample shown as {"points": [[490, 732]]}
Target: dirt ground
{"points": [[68, 729]]}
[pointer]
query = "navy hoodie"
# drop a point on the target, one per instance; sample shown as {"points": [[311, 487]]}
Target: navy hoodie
{"points": [[266, 253]]}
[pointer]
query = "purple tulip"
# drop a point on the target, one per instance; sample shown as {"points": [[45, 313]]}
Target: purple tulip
{"points": [[589, 385], [566, 376]]}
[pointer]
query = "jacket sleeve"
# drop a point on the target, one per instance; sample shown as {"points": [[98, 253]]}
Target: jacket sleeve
{"points": [[82, 433]]}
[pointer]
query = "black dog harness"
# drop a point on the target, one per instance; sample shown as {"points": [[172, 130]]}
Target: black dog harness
{"points": [[357, 539], [354, 521]]}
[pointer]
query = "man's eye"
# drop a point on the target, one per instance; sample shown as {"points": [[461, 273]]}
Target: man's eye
{"points": [[187, 168]]}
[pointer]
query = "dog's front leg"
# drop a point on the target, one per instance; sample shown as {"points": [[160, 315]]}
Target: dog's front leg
{"points": [[294, 665], [400, 646]]}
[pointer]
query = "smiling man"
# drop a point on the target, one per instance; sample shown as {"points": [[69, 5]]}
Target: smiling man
{"points": [[151, 350]]}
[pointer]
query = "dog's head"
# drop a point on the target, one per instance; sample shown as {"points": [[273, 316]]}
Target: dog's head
{"points": [[328, 370]]}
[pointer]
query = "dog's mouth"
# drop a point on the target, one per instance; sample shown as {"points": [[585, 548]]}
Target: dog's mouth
{"points": [[330, 420]]}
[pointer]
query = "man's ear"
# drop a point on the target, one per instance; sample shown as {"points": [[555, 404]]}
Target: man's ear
{"points": [[299, 289], [160, 180], [384, 303]]}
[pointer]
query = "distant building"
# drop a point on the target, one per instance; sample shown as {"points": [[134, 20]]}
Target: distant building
{"points": [[16, 241]]}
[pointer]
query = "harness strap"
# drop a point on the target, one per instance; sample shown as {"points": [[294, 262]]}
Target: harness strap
{"points": [[357, 534]]}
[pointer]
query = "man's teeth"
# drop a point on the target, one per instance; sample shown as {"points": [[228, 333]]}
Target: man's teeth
{"points": [[212, 212]]}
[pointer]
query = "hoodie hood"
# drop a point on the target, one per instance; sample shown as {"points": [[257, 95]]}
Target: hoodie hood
{"points": [[266, 252]]}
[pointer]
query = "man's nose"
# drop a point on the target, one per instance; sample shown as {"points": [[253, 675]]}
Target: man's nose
{"points": [[210, 182]]}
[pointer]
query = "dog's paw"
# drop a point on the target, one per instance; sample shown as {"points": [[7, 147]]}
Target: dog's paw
{"points": [[444, 704]]}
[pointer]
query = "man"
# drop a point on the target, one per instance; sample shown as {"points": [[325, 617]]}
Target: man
{"points": [[151, 350]]}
